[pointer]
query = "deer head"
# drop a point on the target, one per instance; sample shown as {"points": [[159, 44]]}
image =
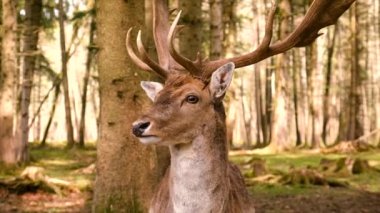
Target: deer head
{"points": [[193, 89], [182, 107]]}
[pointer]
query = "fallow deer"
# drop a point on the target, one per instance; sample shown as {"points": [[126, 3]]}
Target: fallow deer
{"points": [[188, 114]]}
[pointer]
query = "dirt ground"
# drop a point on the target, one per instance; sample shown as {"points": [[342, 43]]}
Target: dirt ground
{"points": [[44, 202], [321, 201]]}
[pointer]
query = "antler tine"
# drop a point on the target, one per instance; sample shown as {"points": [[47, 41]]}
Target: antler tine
{"points": [[320, 14], [186, 63], [132, 55], [268, 28], [264, 46], [145, 57]]}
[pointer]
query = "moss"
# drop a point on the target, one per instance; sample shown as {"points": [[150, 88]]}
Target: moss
{"points": [[58, 163], [280, 164], [117, 203]]}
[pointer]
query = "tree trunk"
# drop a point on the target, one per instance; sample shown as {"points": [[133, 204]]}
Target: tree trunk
{"points": [[351, 120], [11, 149], [267, 118], [90, 56], [33, 11], [126, 169], [190, 42], [65, 82], [261, 131], [261, 127], [355, 128], [52, 112], [216, 28], [246, 114], [295, 58], [326, 94], [311, 66], [280, 120]]}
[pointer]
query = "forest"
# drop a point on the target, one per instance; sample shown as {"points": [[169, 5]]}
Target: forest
{"points": [[301, 115]]}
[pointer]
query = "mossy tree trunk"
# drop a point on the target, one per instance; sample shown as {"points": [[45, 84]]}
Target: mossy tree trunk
{"points": [[126, 170], [11, 149], [33, 12], [190, 42]]}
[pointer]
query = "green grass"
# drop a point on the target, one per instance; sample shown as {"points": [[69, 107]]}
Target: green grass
{"points": [[59, 162], [280, 163], [276, 190], [65, 164]]}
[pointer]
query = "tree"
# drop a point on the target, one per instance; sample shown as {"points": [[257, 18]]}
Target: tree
{"points": [[280, 134], [126, 170], [216, 28], [328, 75], [351, 118], [191, 39], [11, 149], [33, 11], [65, 83], [90, 56]]}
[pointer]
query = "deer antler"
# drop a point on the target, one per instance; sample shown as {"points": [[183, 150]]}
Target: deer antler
{"points": [[185, 62], [320, 14], [143, 61]]}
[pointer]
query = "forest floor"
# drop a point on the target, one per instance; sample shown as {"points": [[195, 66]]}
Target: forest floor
{"points": [[281, 186]]}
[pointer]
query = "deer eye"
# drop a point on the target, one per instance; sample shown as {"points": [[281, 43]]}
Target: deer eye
{"points": [[192, 99]]}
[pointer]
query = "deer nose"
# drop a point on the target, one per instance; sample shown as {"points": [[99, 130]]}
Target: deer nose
{"points": [[139, 128]]}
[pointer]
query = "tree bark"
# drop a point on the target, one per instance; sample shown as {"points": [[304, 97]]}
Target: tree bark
{"points": [[33, 12], [65, 82], [190, 42], [296, 70], [216, 28], [261, 131], [12, 151], [280, 134], [355, 128], [326, 94], [351, 120], [311, 66], [126, 169]]}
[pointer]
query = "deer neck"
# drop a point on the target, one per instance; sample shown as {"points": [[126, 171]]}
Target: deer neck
{"points": [[198, 170]]}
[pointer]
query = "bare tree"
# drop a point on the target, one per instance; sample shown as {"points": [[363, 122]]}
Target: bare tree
{"points": [[65, 82], [89, 62]]}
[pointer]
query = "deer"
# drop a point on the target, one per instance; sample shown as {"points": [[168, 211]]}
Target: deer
{"points": [[188, 115]]}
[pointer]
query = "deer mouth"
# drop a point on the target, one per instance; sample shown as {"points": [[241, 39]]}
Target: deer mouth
{"points": [[149, 139]]}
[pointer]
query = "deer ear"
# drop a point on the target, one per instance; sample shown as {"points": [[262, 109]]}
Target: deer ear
{"points": [[221, 80], [151, 88]]}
